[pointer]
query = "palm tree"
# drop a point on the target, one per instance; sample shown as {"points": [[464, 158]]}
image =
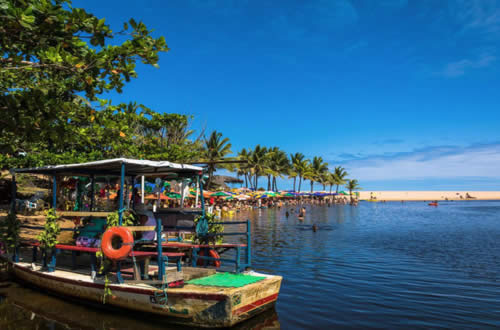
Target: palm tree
{"points": [[216, 148], [301, 167], [243, 168], [295, 160], [352, 185], [323, 179], [257, 161], [280, 166], [318, 167], [340, 174]]}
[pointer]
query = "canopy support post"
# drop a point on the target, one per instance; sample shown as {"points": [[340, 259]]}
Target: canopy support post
{"points": [[14, 193], [201, 196], [197, 190], [183, 185], [54, 192], [159, 241], [15, 257], [92, 192], [249, 244], [120, 218], [142, 189], [122, 185]]}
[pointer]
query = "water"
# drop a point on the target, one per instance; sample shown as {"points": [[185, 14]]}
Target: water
{"points": [[385, 265]]}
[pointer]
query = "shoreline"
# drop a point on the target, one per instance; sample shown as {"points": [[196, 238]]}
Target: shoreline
{"points": [[429, 195]]}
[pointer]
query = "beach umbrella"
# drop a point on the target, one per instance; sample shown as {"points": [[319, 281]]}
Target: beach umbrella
{"points": [[174, 195], [219, 194], [155, 197]]}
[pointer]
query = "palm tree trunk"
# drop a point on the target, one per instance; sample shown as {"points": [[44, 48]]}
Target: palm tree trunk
{"points": [[246, 183], [324, 187], [268, 182], [294, 179], [312, 186], [300, 182], [210, 174], [275, 185], [337, 190], [331, 188]]}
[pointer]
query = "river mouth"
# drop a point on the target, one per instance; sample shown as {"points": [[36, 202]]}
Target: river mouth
{"points": [[390, 265]]}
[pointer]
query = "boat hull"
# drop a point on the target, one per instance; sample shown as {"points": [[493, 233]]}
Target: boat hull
{"points": [[190, 305]]}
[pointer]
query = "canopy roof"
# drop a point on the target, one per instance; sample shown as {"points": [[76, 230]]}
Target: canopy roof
{"points": [[133, 167]]}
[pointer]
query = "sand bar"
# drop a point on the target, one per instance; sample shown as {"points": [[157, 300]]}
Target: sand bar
{"points": [[429, 195]]}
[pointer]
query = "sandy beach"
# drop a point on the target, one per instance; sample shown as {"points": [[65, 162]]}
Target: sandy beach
{"points": [[429, 195]]}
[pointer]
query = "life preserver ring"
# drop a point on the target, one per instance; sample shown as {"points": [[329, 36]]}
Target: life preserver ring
{"points": [[126, 245], [211, 253]]}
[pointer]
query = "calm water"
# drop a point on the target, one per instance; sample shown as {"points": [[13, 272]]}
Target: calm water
{"points": [[389, 265]]}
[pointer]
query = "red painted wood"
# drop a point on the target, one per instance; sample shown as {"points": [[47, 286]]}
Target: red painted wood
{"points": [[117, 287], [256, 304]]}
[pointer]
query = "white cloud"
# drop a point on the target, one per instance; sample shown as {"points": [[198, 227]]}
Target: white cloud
{"points": [[458, 68], [434, 162]]}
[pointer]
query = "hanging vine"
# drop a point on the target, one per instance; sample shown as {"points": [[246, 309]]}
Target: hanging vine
{"points": [[214, 228], [128, 219], [48, 237], [9, 232]]}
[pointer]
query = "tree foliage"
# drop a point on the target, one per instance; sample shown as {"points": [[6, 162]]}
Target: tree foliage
{"points": [[48, 237], [56, 63]]}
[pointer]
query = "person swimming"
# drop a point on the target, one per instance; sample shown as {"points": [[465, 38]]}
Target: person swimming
{"points": [[287, 214], [315, 227]]}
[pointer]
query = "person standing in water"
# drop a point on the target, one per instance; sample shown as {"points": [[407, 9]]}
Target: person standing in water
{"points": [[302, 212]]}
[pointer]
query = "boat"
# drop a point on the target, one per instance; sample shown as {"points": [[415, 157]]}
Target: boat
{"points": [[175, 279], [433, 204]]}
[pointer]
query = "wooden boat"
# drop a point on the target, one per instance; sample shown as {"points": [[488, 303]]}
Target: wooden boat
{"points": [[203, 306], [165, 284]]}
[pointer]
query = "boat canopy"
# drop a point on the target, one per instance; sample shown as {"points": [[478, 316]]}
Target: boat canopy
{"points": [[134, 167]]}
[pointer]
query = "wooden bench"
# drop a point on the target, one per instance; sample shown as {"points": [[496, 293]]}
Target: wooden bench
{"points": [[143, 256]]}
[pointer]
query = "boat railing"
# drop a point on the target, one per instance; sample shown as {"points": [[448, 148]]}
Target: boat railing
{"points": [[239, 265]]}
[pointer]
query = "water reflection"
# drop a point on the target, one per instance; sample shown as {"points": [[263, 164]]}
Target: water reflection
{"points": [[25, 308], [390, 265]]}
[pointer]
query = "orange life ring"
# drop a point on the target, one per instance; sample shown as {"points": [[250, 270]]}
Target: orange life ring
{"points": [[211, 253], [126, 245]]}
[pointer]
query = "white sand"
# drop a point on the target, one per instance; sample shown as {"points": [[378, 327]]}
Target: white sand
{"points": [[429, 195]]}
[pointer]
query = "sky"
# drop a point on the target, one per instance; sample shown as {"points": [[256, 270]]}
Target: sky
{"points": [[404, 94]]}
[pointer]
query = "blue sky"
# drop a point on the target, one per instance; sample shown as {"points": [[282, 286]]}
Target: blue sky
{"points": [[404, 94]]}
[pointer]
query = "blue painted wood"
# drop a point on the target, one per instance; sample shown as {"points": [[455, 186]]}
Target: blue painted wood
{"points": [[14, 193], [92, 192], [119, 273], [53, 260], [238, 256], [54, 192], [161, 264], [194, 257], [122, 184], [201, 197], [249, 244]]}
